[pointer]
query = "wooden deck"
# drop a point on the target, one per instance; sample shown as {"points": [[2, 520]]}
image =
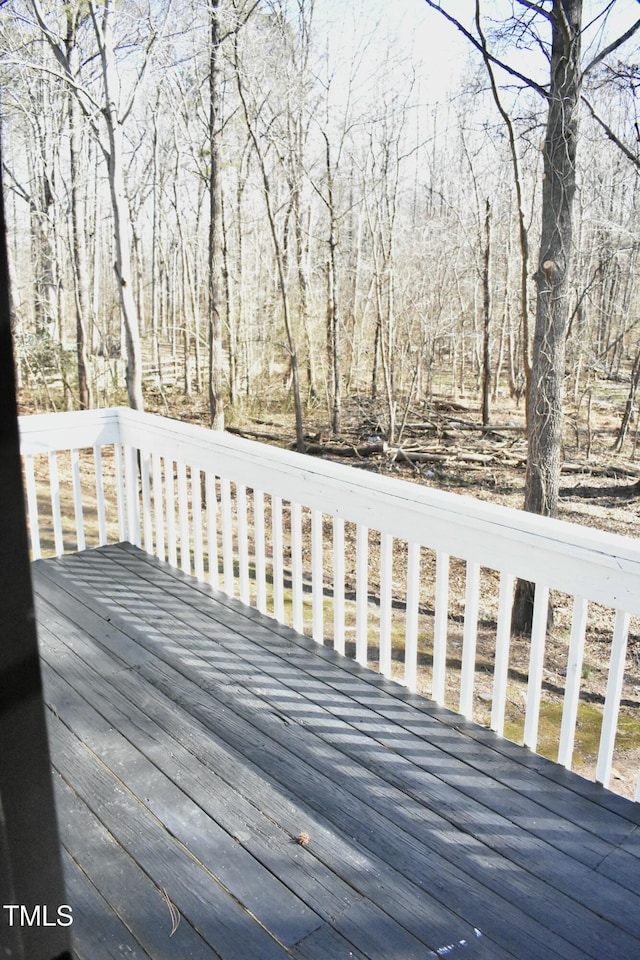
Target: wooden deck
{"points": [[194, 740]]}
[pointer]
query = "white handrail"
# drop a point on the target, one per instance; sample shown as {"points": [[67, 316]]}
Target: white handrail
{"points": [[221, 525]]}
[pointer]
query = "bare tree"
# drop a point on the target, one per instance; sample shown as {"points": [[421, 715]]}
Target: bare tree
{"points": [[563, 19], [216, 409], [81, 274], [110, 137]]}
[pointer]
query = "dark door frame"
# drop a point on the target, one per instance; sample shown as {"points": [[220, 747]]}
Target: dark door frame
{"points": [[31, 881]]}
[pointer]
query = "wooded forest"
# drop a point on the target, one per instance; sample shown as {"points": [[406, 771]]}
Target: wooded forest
{"points": [[233, 202]]}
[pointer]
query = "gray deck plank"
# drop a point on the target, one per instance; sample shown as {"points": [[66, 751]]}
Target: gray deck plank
{"points": [[98, 932], [553, 908], [501, 759], [201, 839], [372, 877], [118, 881], [246, 824], [556, 815], [296, 701], [504, 763], [221, 922], [373, 831], [423, 816]]}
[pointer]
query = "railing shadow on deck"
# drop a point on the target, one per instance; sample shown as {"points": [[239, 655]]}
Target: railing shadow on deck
{"points": [[393, 573]]}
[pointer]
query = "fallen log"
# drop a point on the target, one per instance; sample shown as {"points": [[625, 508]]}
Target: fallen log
{"points": [[613, 470], [253, 434], [407, 456], [362, 450], [455, 423]]}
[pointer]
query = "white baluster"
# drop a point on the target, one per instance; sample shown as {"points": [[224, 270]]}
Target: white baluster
{"points": [[77, 499], [338, 585], [440, 622], [122, 529], [536, 664], [362, 593], [260, 553], [196, 509], [612, 700], [32, 503], [183, 519], [278, 567], [158, 505], [147, 524], [131, 487], [100, 496], [227, 537], [574, 675], [172, 545], [469, 640], [411, 636], [296, 567], [243, 542], [212, 529], [317, 577], [386, 577], [503, 644], [56, 513]]}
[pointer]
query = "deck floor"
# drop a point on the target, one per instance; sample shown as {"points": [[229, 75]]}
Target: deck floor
{"points": [[194, 740]]}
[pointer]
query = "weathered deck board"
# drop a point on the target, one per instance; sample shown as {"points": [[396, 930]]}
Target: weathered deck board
{"points": [[196, 739]]}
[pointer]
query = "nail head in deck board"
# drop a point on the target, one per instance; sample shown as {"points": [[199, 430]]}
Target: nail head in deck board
{"points": [[280, 748]]}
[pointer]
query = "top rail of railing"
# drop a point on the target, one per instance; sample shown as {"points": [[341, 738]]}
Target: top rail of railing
{"points": [[578, 560], [153, 455]]}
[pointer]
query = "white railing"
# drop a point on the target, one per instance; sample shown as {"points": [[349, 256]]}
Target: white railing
{"points": [[339, 552]]}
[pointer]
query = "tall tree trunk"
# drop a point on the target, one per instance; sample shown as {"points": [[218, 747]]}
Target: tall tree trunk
{"points": [[216, 408], [544, 429], [522, 226], [120, 207], [630, 406], [486, 329], [155, 264], [85, 394], [333, 341], [279, 252], [232, 330]]}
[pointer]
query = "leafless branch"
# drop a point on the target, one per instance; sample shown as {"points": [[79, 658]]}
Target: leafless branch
{"points": [[80, 91], [17, 186], [612, 46], [635, 160], [476, 43], [535, 7]]}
